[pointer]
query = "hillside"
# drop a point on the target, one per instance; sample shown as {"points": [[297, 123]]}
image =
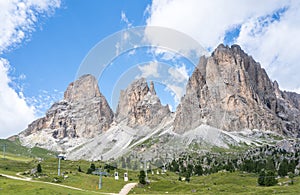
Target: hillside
{"points": [[14, 149]]}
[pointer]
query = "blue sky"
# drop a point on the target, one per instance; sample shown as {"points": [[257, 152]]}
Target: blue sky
{"points": [[53, 53], [43, 43]]}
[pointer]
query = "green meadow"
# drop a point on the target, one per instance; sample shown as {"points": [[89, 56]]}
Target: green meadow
{"points": [[20, 160]]}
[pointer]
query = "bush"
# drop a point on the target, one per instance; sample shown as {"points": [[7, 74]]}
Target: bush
{"points": [[93, 167], [89, 171], [267, 178], [261, 178], [270, 178]]}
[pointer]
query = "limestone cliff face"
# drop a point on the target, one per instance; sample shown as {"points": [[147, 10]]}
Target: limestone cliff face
{"points": [[83, 113], [139, 105], [230, 91]]}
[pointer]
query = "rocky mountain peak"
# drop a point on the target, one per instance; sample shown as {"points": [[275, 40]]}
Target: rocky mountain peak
{"points": [[229, 90], [152, 90], [139, 105], [82, 114], [86, 87]]}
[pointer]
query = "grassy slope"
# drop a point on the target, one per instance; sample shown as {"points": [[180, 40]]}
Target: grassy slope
{"points": [[49, 170], [14, 150], [9, 186], [81, 179], [18, 160], [218, 183]]}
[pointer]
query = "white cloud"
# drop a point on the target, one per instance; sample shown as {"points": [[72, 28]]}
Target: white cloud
{"points": [[149, 70], [163, 53], [17, 19], [274, 43], [207, 21], [176, 82], [15, 114], [176, 91], [179, 73], [43, 101], [125, 19]]}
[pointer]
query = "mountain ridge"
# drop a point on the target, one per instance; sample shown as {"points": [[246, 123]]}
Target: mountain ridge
{"points": [[228, 92]]}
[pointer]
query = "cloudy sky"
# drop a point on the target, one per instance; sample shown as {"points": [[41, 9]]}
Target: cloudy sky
{"points": [[43, 44]]}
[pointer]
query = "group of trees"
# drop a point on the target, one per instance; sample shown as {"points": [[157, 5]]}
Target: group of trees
{"points": [[92, 168], [130, 162], [201, 166], [268, 162]]}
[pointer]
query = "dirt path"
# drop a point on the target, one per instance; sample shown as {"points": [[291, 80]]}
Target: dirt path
{"points": [[126, 189]]}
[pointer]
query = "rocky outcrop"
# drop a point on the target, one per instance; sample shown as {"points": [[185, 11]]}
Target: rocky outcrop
{"points": [[230, 91], [139, 105], [85, 88], [83, 113]]}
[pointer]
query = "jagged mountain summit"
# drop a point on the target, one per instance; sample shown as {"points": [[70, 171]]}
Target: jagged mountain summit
{"points": [[229, 100], [230, 91], [139, 105], [81, 115], [139, 116]]}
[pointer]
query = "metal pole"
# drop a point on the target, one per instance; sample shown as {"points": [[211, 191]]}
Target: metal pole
{"points": [[4, 148], [58, 171], [100, 179], [145, 169]]}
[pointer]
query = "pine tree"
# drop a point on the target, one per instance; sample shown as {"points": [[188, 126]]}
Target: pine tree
{"points": [[190, 169], [174, 166], [128, 162], [261, 178], [93, 167], [270, 165], [283, 168], [123, 163], [142, 177], [198, 170], [39, 168], [292, 166], [89, 171], [135, 166]]}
